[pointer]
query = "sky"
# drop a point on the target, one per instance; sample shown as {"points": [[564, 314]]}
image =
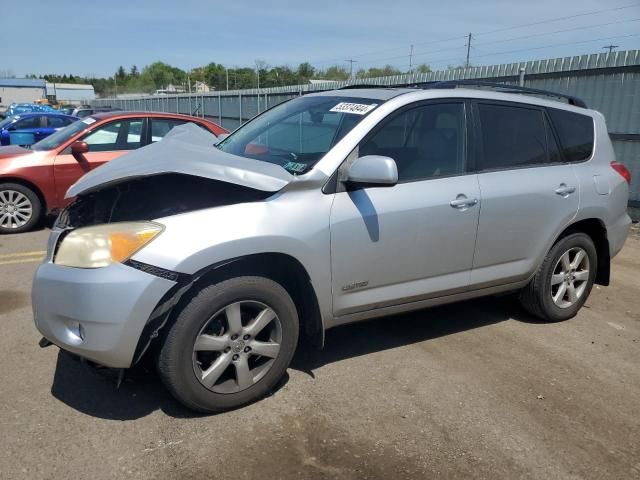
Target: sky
{"points": [[93, 38]]}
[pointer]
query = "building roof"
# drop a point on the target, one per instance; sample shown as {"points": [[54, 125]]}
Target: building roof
{"points": [[70, 86], [22, 82]]}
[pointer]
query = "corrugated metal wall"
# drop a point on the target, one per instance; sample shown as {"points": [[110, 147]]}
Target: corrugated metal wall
{"points": [[607, 82]]}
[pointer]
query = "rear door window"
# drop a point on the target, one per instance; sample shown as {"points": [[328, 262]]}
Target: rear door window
{"points": [[58, 122], [575, 132], [161, 126], [512, 136]]}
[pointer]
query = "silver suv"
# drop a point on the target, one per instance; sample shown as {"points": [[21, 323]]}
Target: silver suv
{"points": [[331, 208]]}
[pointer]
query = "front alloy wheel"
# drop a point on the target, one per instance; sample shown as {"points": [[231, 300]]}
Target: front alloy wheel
{"points": [[20, 208], [237, 347], [230, 345]]}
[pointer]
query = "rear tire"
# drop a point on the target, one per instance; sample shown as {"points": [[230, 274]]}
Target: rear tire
{"points": [[20, 208], [230, 345], [564, 280]]}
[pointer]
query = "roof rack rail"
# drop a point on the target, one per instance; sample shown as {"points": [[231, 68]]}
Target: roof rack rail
{"points": [[577, 102], [365, 85]]}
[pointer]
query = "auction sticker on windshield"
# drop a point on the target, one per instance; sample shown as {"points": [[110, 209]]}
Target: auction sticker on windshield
{"points": [[89, 120], [355, 108]]}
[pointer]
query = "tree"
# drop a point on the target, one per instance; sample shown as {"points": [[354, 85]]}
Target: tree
{"points": [[305, 72], [160, 75], [121, 73], [422, 68], [332, 73], [134, 71]]}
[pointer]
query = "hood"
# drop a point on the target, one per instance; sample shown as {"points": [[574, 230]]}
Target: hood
{"points": [[186, 149], [13, 151]]}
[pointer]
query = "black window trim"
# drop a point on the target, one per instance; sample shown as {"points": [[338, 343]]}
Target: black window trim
{"points": [[479, 147]]}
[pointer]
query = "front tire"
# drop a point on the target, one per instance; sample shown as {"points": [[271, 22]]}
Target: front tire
{"points": [[20, 208], [564, 280], [230, 345]]}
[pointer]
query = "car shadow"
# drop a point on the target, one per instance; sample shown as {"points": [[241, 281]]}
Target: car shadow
{"points": [[94, 391], [395, 331]]}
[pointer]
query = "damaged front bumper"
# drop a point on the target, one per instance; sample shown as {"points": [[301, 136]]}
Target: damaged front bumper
{"points": [[99, 313]]}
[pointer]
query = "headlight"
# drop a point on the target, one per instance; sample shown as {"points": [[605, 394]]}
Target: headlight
{"points": [[100, 246]]}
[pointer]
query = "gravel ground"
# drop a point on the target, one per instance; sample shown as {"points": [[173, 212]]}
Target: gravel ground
{"points": [[473, 390]]}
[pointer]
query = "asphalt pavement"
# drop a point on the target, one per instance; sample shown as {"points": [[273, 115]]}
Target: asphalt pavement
{"points": [[473, 390]]}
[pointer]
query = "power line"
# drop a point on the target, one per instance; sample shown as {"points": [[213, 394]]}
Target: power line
{"points": [[493, 42], [444, 60], [557, 19], [458, 37]]}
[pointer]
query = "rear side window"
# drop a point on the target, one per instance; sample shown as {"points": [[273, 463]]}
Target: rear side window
{"points": [[512, 137], [161, 126], [58, 122], [575, 132]]}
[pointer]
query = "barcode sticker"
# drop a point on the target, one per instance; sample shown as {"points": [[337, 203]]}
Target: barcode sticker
{"points": [[355, 108]]}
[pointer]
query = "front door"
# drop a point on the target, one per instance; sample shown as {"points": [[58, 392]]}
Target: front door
{"points": [[106, 142], [415, 240]]}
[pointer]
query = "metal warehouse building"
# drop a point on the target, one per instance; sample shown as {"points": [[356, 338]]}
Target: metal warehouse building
{"points": [[73, 93], [607, 82], [20, 90]]}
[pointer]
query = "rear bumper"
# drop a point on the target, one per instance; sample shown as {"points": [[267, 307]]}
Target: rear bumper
{"points": [[98, 313], [617, 234]]}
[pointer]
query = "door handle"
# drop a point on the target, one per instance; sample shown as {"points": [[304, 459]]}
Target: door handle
{"points": [[564, 190], [462, 202]]}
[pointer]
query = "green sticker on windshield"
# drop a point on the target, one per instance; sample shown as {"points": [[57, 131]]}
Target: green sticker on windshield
{"points": [[295, 167]]}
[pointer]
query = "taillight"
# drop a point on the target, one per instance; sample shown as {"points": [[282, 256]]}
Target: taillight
{"points": [[622, 170]]}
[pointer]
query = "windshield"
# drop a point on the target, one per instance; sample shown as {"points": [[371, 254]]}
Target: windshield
{"points": [[6, 122], [61, 136], [297, 134]]}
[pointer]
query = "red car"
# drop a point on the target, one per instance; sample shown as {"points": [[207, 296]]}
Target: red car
{"points": [[33, 182]]}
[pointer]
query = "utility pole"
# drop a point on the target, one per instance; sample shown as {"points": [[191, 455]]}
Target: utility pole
{"points": [[411, 60], [227, 72], [611, 47], [115, 83], [468, 50], [351, 62]]}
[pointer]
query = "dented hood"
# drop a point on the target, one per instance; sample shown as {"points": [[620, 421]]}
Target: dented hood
{"points": [[186, 149]]}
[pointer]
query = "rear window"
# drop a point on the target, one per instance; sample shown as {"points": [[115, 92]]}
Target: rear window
{"points": [[575, 132]]}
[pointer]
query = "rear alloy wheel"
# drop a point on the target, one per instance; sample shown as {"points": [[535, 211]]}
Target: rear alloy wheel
{"points": [[570, 277], [563, 281], [230, 345], [20, 208]]}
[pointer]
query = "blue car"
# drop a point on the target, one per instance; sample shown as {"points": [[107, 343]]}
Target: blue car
{"points": [[28, 128], [18, 108]]}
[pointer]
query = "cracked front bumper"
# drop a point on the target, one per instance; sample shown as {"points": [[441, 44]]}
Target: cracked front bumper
{"points": [[97, 313]]}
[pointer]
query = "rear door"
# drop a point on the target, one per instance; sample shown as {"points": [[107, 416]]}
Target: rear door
{"points": [[528, 194], [106, 142]]}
